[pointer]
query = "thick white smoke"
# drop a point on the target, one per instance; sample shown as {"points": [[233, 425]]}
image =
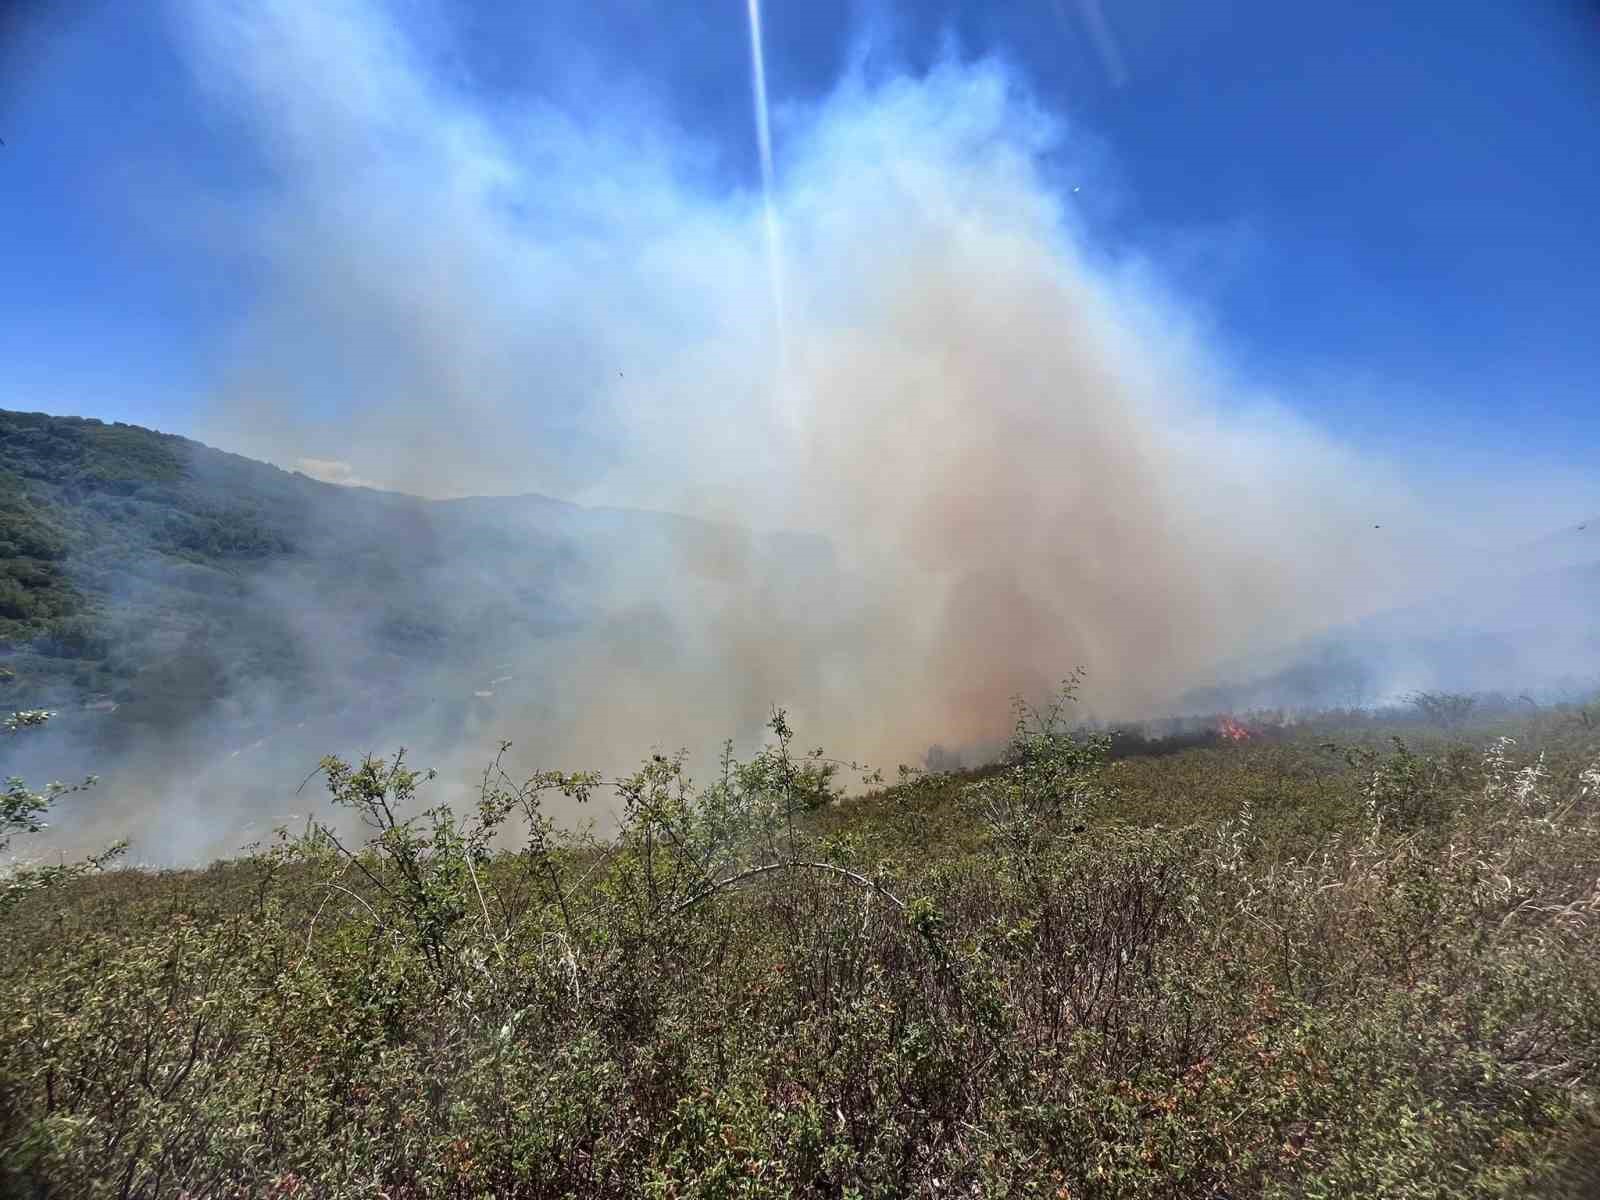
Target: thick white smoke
{"points": [[1022, 453]]}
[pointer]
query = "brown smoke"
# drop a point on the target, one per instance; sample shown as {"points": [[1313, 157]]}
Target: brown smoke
{"points": [[1021, 454]]}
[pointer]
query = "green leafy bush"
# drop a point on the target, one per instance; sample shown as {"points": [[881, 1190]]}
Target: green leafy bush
{"points": [[1258, 971]]}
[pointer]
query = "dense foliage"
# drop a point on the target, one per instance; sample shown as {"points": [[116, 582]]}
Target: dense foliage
{"points": [[120, 549], [74, 485], [1316, 964]]}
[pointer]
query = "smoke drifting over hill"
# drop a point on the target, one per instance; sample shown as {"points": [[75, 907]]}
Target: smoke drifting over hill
{"points": [[1018, 446], [1020, 451]]}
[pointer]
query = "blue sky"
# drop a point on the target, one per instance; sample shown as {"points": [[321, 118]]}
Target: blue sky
{"points": [[1384, 214]]}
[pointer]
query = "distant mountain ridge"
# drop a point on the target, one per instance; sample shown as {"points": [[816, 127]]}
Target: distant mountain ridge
{"points": [[1530, 624]]}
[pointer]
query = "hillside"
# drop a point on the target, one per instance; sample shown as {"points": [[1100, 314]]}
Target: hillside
{"points": [[1349, 956], [148, 582], [1527, 623], [1270, 969], [159, 593], [141, 567]]}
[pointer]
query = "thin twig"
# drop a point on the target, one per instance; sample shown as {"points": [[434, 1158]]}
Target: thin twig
{"points": [[313, 927], [488, 926], [361, 866], [361, 900], [789, 864]]}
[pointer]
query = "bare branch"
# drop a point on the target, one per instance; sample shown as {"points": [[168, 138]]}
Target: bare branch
{"points": [[789, 865]]}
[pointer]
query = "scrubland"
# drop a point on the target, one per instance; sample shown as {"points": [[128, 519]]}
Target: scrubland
{"points": [[1353, 956]]}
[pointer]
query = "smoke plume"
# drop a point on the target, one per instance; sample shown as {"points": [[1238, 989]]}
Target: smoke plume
{"points": [[1006, 449], [1019, 448]]}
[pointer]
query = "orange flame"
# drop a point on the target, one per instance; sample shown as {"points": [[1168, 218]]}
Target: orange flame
{"points": [[1234, 731]]}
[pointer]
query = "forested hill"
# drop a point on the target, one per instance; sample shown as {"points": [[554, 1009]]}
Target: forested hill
{"points": [[112, 530], [145, 578], [103, 497]]}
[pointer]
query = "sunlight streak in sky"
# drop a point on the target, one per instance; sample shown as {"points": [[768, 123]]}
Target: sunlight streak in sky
{"points": [[758, 75]]}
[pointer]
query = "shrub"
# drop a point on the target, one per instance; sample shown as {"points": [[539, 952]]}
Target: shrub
{"points": [[22, 811], [753, 987], [1447, 710]]}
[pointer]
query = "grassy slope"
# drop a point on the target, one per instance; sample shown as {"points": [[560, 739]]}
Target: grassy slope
{"points": [[1189, 975]]}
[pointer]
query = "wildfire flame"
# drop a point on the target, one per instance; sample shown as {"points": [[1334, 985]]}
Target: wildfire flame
{"points": [[1234, 731]]}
